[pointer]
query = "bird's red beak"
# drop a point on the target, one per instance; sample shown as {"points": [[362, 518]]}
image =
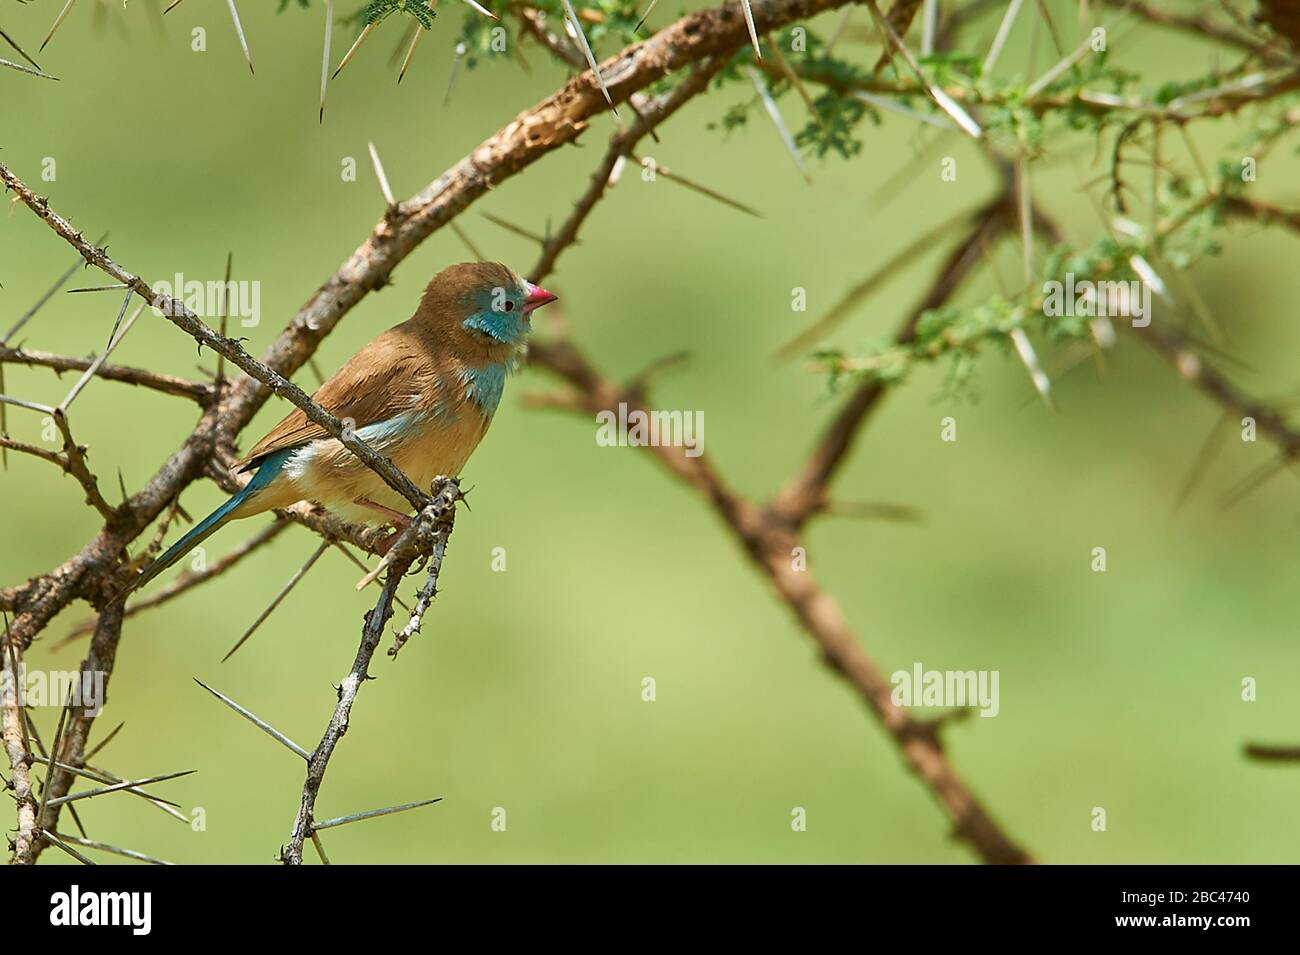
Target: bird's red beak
{"points": [[537, 297]]}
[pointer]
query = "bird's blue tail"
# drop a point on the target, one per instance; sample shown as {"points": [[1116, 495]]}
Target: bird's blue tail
{"points": [[266, 473]]}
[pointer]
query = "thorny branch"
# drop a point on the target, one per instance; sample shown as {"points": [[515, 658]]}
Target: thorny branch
{"points": [[13, 726], [426, 536], [704, 42], [97, 573]]}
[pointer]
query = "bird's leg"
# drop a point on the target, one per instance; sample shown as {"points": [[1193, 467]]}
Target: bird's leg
{"points": [[397, 518]]}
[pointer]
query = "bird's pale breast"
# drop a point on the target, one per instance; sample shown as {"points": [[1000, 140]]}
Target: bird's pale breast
{"points": [[424, 444]]}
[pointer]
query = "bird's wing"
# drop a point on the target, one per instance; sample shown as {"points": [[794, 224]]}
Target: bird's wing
{"points": [[389, 376]]}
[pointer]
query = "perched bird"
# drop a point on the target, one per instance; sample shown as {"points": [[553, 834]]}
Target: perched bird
{"points": [[422, 394]]}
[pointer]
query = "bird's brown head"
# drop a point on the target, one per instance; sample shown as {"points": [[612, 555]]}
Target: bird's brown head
{"points": [[484, 305]]}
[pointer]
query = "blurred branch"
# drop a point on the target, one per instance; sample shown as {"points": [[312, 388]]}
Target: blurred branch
{"points": [[1176, 348], [805, 494], [1200, 23], [770, 543], [533, 22], [769, 534], [1273, 754]]}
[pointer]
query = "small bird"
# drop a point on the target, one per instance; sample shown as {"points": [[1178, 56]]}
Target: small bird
{"points": [[423, 394]]}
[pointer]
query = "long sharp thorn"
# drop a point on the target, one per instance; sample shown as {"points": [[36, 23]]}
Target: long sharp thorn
{"points": [[325, 59], [1000, 39], [54, 840], [1213, 442], [57, 21], [54, 754], [284, 592], [702, 189], [102, 777], [941, 99], [21, 51], [774, 114], [840, 310], [649, 10], [798, 85], [884, 102], [118, 787], [517, 230], [76, 818], [239, 29], [753, 31], [383, 179], [113, 342], [90, 753], [1083, 50], [482, 9], [403, 41], [265, 727], [455, 228], [118, 322], [372, 813], [1251, 482], [586, 51], [410, 52], [1029, 358], [163, 805], [1019, 338], [837, 32], [929, 26], [27, 315], [353, 49], [116, 850]]}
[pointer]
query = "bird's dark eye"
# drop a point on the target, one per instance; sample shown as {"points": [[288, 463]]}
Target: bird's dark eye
{"points": [[509, 306]]}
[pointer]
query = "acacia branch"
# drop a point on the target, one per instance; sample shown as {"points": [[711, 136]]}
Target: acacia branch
{"points": [[555, 121], [191, 579], [71, 746], [180, 315], [620, 146], [17, 746], [168, 384], [770, 545], [426, 537], [95, 573]]}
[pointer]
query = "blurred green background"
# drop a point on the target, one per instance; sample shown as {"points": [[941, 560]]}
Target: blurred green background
{"points": [[1119, 690]]}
